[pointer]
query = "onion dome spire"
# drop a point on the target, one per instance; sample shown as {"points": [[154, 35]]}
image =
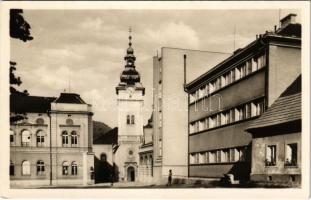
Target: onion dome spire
{"points": [[129, 75]]}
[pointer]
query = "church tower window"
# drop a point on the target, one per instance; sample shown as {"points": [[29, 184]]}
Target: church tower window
{"points": [[128, 120], [132, 119]]}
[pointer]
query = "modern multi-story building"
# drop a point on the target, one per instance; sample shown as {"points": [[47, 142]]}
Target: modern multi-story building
{"points": [[227, 98], [171, 71], [53, 144], [276, 144]]}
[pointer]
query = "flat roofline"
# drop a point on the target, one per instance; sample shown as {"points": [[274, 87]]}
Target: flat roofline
{"points": [[244, 49], [177, 48]]}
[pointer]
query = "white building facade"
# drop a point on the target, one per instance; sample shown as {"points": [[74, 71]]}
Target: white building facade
{"points": [[130, 119]]}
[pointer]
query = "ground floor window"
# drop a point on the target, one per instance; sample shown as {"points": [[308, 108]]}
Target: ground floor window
{"points": [[291, 154], [26, 167], [65, 167], [74, 168], [270, 155], [12, 170], [40, 168]]}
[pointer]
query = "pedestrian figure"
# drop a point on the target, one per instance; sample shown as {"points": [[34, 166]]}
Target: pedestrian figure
{"points": [[112, 174], [169, 183]]}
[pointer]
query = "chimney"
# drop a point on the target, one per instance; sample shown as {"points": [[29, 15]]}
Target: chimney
{"points": [[289, 19]]}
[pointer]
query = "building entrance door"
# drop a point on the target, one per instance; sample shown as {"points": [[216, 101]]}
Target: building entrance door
{"points": [[130, 174]]}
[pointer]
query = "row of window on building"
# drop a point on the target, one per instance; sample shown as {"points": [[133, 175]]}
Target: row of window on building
{"points": [[40, 121], [248, 67], [40, 168], [219, 156], [290, 155], [73, 139], [242, 112], [40, 138]]}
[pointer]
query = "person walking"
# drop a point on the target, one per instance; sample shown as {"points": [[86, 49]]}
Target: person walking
{"points": [[170, 174]]}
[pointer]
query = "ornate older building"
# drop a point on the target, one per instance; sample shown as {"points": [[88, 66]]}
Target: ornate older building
{"points": [[130, 119], [146, 154], [53, 144]]}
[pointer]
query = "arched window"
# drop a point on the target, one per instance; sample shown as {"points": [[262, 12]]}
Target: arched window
{"points": [[74, 168], [26, 167], [25, 138], [65, 138], [103, 157], [40, 139], [12, 170], [65, 168], [132, 119], [128, 119], [74, 139], [69, 121], [40, 121], [40, 167], [11, 136]]}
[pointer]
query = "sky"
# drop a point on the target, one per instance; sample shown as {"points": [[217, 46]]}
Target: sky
{"points": [[82, 51]]}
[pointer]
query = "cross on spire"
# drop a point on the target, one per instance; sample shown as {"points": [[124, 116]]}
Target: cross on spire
{"points": [[130, 37]]}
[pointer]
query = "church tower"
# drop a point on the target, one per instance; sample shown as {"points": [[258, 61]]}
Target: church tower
{"points": [[130, 102]]}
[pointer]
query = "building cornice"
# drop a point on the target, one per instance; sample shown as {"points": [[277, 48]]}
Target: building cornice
{"points": [[262, 41]]}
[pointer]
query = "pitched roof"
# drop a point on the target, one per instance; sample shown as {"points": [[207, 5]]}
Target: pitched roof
{"points": [[30, 104], [150, 122], [287, 108], [99, 129], [111, 137], [69, 98]]}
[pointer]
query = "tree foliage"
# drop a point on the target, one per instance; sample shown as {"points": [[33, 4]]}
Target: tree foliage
{"points": [[19, 29], [15, 81]]}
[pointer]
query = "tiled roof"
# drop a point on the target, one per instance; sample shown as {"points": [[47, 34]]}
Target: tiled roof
{"points": [[30, 104], [111, 137], [287, 108], [69, 98], [284, 109], [99, 129]]}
